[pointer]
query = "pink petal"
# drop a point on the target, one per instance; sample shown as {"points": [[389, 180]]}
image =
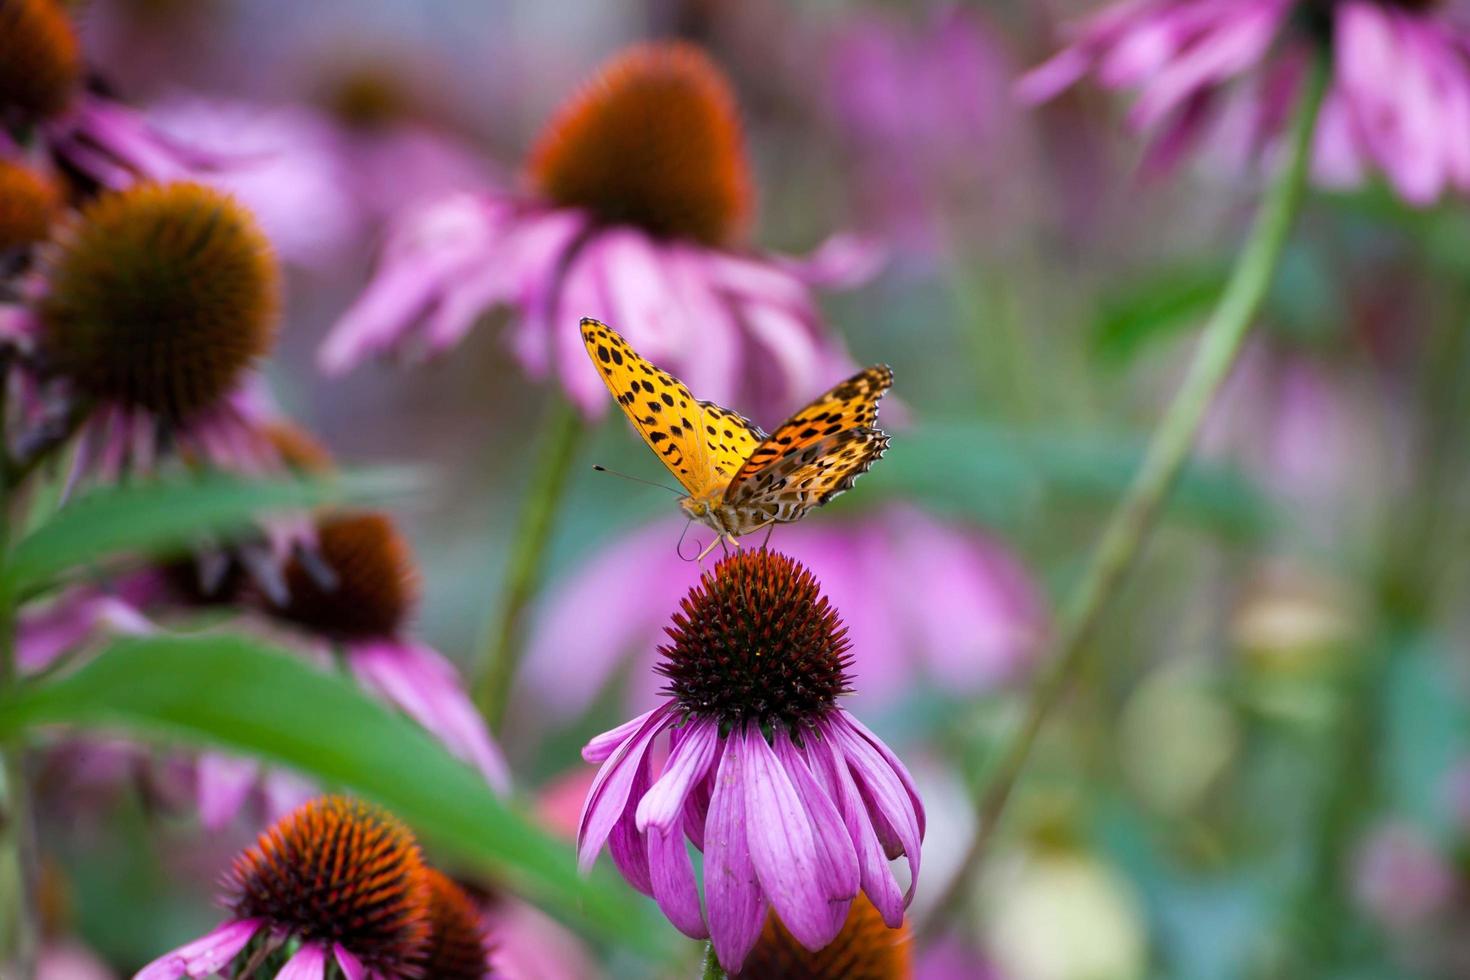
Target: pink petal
{"points": [[881, 784], [672, 877], [352, 967], [608, 796], [877, 877], [627, 846], [836, 859], [737, 909], [601, 747], [204, 956], [688, 763], [222, 784], [427, 688], [309, 963], [783, 847]]}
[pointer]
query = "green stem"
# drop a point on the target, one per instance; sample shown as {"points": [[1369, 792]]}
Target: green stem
{"points": [[1124, 537], [19, 929], [560, 436], [712, 969]]}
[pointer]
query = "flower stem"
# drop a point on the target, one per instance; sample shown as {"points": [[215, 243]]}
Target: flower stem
{"points": [[712, 969], [1127, 531], [19, 929], [560, 435]]}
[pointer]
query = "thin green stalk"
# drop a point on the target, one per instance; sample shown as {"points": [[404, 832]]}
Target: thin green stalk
{"points": [[1127, 531], [19, 929], [560, 436], [712, 969]]}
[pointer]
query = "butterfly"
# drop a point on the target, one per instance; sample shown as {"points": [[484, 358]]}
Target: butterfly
{"points": [[739, 478]]}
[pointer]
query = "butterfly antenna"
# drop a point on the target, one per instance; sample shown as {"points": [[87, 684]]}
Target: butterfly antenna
{"points": [[679, 548], [637, 479]]}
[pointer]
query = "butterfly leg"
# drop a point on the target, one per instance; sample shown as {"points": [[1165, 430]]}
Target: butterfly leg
{"points": [[710, 547], [770, 529]]}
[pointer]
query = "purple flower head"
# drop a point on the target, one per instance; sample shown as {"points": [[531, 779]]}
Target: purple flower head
{"points": [[920, 597], [796, 806], [1399, 99], [141, 331], [356, 593], [634, 213]]}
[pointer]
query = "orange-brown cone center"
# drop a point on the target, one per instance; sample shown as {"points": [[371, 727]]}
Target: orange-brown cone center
{"points": [[160, 297], [376, 583], [457, 947], [337, 870], [40, 59], [28, 204], [865, 949], [654, 141]]}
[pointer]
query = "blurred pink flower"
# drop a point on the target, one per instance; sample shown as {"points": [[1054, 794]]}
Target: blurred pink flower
{"points": [[920, 110], [1401, 878], [798, 821], [642, 234], [920, 597], [317, 187], [115, 145], [1293, 421], [1399, 99], [67, 960]]}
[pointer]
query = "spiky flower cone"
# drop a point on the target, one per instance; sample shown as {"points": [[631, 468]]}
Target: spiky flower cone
{"points": [[160, 297], [865, 949], [376, 584], [28, 204], [654, 141], [338, 871]]}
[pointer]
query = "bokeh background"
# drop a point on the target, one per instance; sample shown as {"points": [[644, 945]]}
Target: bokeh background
{"points": [[1263, 771]]}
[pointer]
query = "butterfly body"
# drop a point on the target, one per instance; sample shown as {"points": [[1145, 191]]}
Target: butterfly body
{"points": [[739, 478]]}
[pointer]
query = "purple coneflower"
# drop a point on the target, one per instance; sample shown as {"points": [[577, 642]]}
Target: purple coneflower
{"points": [[342, 879], [145, 319], [637, 201], [357, 594], [94, 137], [796, 806], [923, 599], [1399, 98]]}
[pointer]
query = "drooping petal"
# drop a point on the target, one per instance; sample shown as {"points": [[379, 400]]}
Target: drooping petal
{"points": [[672, 877], [878, 880], [783, 847], [627, 846], [837, 860], [663, 805], [608, 796], [881, 784], [207, 955], [601, 747], [428, 689], [732, 892], [352, 967], [309, 963], [894, 763]]}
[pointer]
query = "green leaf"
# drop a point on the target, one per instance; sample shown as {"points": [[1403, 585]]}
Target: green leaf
{"points": [[245, 696], [1161, 305], [157, 518]]}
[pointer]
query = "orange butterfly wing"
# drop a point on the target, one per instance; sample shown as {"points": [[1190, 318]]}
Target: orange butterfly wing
{"points": [[701, 443], [819, 452]]}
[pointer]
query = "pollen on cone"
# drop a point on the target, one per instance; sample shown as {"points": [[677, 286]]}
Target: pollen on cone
{"points": [[40, 58], [457, 947], [654, 140], [865, 949], [337, 870], [376, 580], [159, 297], [28, 204]]}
